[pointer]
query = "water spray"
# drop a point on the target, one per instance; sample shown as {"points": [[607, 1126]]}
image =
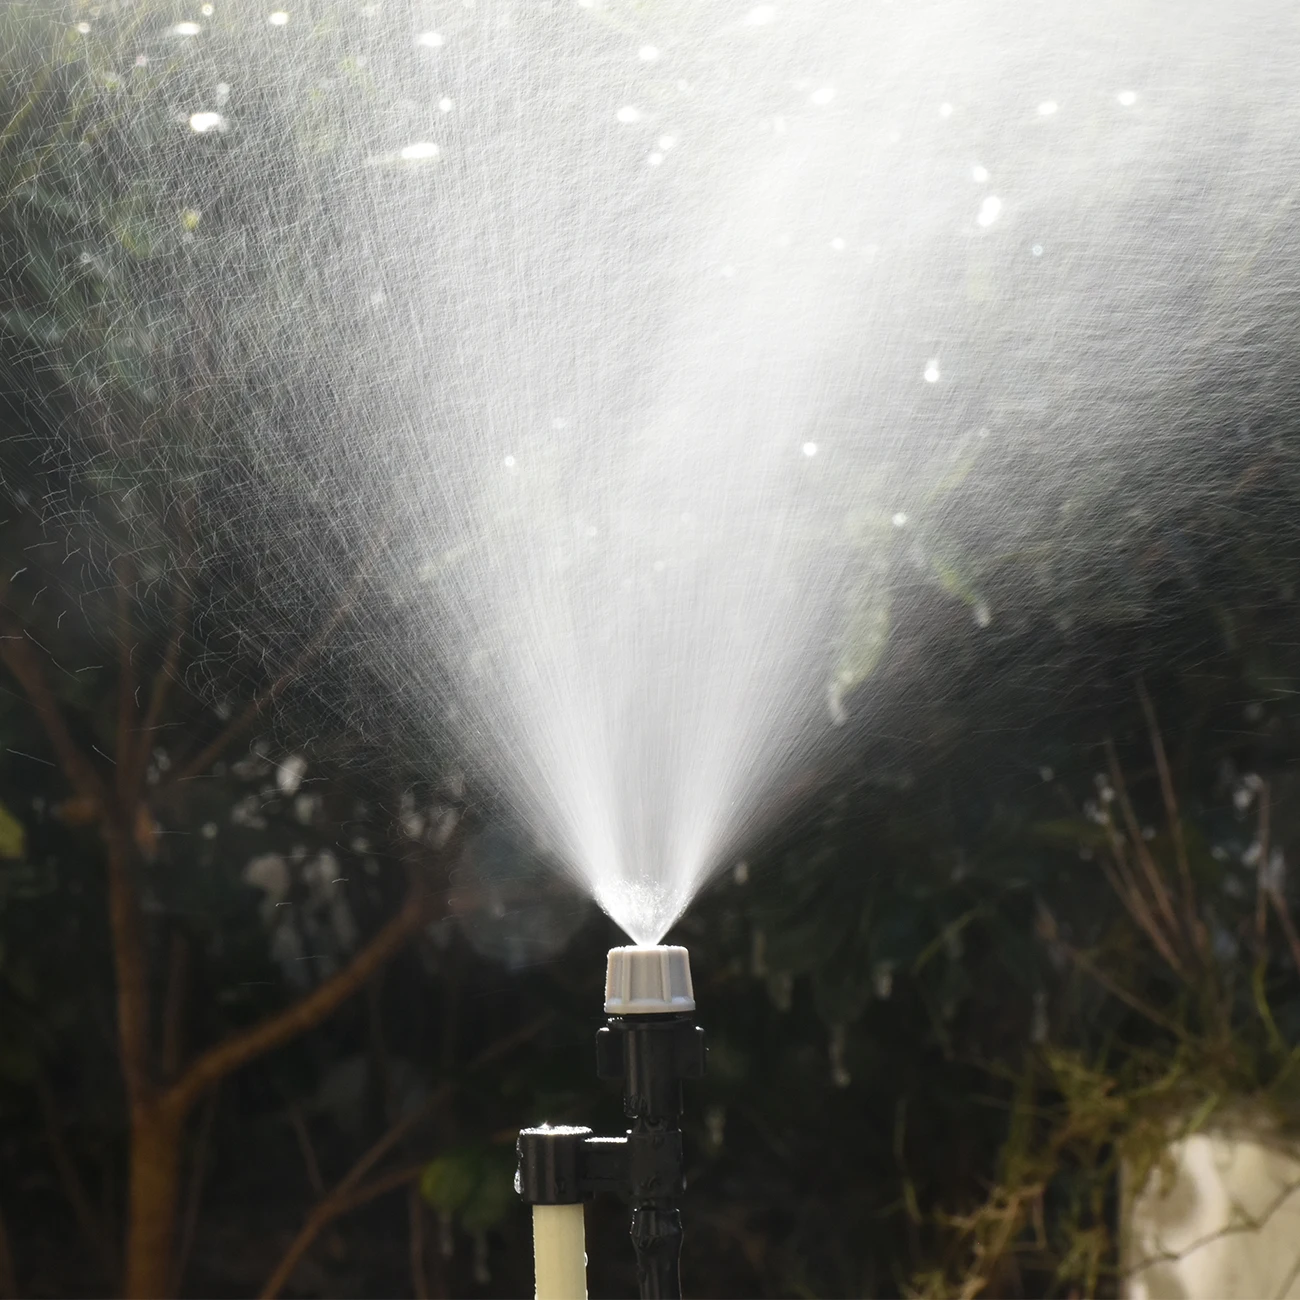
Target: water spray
{"points": [[651, 1043]]}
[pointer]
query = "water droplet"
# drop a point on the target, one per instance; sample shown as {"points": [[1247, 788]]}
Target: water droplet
{"points": [[1037, 250], [207, 11], [187, 29], [900, 520], [1127, 98], [822, 96], [809, 449], [761, 15], [945, 110], [202, 123], [932, 372], [989, 211], [648, 53], [628, 114], [838, 245], [510, 462], [84, 28], [979, 174], [1047, 108], [445, 105], [666, 142], [430, 40], [420, 151]]}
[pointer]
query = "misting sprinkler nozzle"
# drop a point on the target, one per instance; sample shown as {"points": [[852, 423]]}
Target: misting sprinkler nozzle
{"points": [[651, 1043]]}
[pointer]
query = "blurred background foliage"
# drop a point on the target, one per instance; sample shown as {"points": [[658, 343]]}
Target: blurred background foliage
{"points": [[1038, 917]]}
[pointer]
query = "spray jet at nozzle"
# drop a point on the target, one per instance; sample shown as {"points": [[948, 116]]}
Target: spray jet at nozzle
{"points": [[652, 1044]]}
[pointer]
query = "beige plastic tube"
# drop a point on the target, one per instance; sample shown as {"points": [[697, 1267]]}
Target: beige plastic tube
{"points": [[560, 1252]]}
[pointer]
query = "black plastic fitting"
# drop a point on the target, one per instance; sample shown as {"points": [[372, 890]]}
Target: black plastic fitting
{"points": [[652, 1055]]}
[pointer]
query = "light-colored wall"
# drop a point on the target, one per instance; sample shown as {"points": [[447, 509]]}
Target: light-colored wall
{"points": [[1222, 1222]]}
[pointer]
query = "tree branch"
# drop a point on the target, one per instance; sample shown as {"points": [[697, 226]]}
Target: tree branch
{"points": [[261, 702], [126, 710], [162, 682], [325, 1213], [1195, 930], [198, 1175], [237, 1050], [133, 1014], [347, 1194], [17, 649]]}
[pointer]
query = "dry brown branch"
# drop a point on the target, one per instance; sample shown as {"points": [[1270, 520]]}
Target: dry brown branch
{"points": [[173, 1017], [1119, 991], [240, 1048], [194, 1195], [299, 1125], [138, 760], [415, 1239], [348, 1193], [1195, 930], [1122, 881], [88, 1221], [18, 651], [1288, 925], [1261, 902], [126, 708], [1151, 872], [133, 1003], [325, 1214], [204, 759]]}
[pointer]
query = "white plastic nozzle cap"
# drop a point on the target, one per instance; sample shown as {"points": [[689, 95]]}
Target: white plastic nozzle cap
{"points": [[648, 981]]}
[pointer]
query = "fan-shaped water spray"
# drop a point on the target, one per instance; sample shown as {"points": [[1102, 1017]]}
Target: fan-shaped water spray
{"points": [[658, 337]]}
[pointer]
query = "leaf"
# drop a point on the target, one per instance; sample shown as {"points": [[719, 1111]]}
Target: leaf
{"points": [[475, 1184], [449, 1181], [862, 645], [13, 837]]}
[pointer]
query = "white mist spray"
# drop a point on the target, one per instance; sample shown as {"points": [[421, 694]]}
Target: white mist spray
{"points": [[657, 335]]}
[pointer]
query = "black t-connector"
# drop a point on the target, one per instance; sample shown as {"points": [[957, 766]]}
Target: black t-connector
{"points": [[651, 1054]]}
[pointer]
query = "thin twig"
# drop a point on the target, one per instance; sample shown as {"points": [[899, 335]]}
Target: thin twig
{"points": [[261, 702], [1195, 931], [415, 1220], [173, 1037], [19, 656], [126, 708], [348, 1193], [194, 1195], [92, 1229], [299, 1125], [248, 1044], [1150, 870], [1112, 986], [1288, 926], [1261, 874], [162, 683]]}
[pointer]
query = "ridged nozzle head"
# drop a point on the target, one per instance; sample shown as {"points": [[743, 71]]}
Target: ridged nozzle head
{"points": [[648, 981]]}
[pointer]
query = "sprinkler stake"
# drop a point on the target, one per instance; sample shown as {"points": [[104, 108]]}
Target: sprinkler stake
{"points": [[651, 1043]]}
